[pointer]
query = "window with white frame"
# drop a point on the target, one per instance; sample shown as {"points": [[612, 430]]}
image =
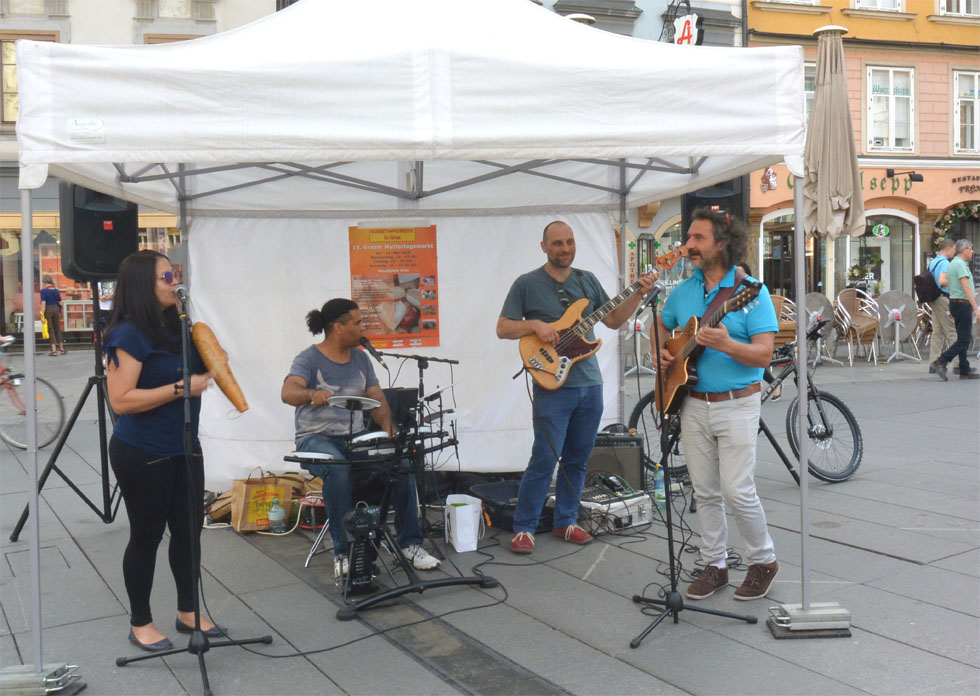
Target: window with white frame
{"points": [[963, 8], [966, 137], [890, 108], [809, 87], [892, 5]]}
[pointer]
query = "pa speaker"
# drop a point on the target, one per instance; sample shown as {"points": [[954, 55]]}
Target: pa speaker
{"points": [[621, 455], [97, 233], [729, 196]]}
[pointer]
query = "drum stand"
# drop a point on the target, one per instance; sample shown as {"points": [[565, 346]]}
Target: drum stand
{"points": [[399, 466], [418, 462]]}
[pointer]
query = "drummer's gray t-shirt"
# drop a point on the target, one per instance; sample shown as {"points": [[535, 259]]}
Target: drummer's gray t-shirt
{"points": [[352, 378]]}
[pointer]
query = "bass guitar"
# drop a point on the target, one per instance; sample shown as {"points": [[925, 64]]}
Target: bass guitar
{"points": [[681, 376], [549, 365]]}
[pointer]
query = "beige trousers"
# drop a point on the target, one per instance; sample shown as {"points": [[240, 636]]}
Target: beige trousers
{"points": [[943, 329]]}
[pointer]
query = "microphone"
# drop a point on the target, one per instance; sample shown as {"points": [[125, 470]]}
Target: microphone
{"points": [[655, 291], [366, 344], [181, 291]]}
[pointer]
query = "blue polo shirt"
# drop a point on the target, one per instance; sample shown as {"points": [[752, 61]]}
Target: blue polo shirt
{"points": [[938, 266], [717, 371]]}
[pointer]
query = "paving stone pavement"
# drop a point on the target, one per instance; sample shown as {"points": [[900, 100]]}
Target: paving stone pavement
{"points": [[898, 545]]}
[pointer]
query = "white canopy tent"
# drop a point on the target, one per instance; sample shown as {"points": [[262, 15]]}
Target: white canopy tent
{"points": [[270, 140], [484, 119]]}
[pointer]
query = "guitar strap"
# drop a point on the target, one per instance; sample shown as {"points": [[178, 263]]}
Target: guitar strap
{"points": [[725, 293]]}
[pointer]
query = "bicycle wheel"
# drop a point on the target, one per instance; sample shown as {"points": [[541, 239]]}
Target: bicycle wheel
{"points": [[13, 413], [646, 421], [836, 446]]}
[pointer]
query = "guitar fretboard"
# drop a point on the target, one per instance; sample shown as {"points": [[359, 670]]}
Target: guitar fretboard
{"points": [[585, 326]]}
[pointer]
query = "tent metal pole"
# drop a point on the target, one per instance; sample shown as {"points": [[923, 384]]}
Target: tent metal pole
{"points": [[799, 271], [30, 399], [182, 221], [623, 281]]}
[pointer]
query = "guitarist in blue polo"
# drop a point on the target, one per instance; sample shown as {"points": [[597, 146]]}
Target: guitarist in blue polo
{"points": [[566, 418], [720, 414]]}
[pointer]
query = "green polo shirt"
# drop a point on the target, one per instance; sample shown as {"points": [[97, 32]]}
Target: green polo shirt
{"points": [[958, 269]]}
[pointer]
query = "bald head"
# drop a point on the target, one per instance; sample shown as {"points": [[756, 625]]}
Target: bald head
{"points": [[558, 243]]}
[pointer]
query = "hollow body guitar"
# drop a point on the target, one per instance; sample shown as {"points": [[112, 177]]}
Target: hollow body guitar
{"points": [[549, 365], [681, 376]]}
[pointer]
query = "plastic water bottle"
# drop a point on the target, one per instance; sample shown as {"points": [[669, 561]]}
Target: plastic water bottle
{"points": [[659, 495], [277, 517]]}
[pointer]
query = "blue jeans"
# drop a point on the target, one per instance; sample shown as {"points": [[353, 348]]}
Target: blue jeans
{"points": [[338, 491], [565, 420]]}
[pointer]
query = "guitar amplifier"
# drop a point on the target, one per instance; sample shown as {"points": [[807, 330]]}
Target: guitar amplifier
{"points": [[621, 455]]}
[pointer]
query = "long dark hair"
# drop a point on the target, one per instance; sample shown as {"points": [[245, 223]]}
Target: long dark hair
{"points": [[135, 300], [332, 311]]}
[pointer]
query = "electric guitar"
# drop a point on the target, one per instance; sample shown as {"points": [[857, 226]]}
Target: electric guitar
{"points": [[681, 376], [549, 365]]}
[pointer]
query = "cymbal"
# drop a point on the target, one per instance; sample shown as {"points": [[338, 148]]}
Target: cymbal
{"points": [[437, 392], [446, 416], [353, 403]]}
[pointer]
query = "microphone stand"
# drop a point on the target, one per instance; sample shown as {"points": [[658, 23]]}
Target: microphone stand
{"points": [[198, 643], [673, 603], [419, 459]]}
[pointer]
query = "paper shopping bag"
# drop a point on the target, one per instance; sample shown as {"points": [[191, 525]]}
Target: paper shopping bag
{"points": [[464, 521], [252, 497]]}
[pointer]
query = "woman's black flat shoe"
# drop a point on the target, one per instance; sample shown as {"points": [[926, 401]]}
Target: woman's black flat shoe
{"points": [[164, 644], [214, 632]]}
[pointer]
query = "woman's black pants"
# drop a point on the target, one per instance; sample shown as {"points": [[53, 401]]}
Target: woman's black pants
{"points": [[156, 494]]}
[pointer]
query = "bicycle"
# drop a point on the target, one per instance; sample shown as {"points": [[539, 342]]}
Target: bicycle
{"points": [[49, 405], [836, 444]]}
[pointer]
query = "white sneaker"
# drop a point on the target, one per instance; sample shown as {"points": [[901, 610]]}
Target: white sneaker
{"points": [[341, 566], [420, 558]]}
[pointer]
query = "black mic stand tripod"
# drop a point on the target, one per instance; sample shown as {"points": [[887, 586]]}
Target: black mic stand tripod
{"points": [[110, 499], [198, 643], [673, 603]]}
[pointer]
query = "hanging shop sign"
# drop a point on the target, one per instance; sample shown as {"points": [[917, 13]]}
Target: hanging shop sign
{"points": [[394, 280], [687, 30], [880, 230]]}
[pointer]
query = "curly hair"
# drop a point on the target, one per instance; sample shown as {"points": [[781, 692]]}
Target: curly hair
{"points": [[728, 229]]}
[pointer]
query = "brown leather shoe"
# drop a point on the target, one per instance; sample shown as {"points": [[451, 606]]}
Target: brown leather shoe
{"points": [[758, 581], [710, 581]]}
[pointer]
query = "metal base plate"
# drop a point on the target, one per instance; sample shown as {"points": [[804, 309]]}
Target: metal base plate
{"points": [[819, 620], [780, 633]]}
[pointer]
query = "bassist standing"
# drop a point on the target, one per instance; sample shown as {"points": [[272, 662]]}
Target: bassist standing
{"points": [[566, 415], [720, 415]]}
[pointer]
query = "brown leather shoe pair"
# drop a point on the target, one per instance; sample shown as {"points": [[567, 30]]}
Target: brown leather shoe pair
{"points": [[755, 586]]}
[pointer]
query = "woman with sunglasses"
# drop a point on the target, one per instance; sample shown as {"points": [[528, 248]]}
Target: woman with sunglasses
{"points": [[145, 387]]}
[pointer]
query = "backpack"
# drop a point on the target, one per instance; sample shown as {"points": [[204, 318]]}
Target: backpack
{"points": [[925, 285]]}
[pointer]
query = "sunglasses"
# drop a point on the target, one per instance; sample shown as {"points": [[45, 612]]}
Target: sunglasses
{"points": [[563, 298], [169, 277]]}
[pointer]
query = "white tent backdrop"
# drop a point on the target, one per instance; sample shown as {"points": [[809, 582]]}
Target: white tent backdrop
{"points": [[270, 139], [256, 278]]}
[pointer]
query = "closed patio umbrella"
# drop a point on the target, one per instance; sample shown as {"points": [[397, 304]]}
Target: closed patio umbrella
{"points": [[832, 203], [829, 202]]}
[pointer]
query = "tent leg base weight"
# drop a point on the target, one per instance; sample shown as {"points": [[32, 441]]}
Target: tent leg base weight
{"points": [[780, 632], [819, 620]]}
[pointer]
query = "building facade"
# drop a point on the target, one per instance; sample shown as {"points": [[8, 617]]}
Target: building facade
{"points": [[98, 22], [913, 73]]}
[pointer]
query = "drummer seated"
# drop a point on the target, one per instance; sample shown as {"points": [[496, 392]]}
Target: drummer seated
{"points": [[335, 366]]}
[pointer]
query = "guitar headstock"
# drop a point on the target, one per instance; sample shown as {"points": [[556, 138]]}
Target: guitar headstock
{"points": [[743, 299], [670, 259]]}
